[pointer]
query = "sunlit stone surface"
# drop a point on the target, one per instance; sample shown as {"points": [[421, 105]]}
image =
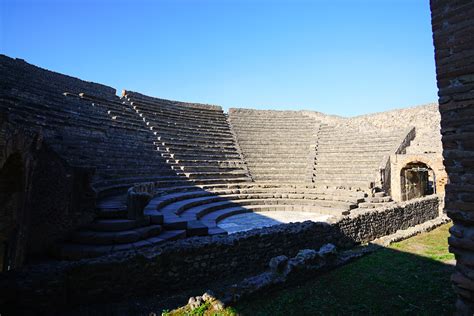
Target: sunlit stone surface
{"points": [[248, 221]]}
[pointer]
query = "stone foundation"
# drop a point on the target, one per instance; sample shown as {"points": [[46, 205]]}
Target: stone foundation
{"points": [[195, 262]]}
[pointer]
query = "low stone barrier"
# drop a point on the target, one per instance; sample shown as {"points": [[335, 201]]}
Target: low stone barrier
{"points": [[195, 262]]}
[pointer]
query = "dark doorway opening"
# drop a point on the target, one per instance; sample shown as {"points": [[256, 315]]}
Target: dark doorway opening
{"points": [[11, 204], [417, 180]]}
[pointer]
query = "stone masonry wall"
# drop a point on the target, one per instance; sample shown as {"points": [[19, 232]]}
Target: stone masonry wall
{"points": [[453, 34], [198, 261]]}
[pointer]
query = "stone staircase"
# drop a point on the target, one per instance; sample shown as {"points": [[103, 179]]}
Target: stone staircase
{"points": [[195, 140], [112, 231], [276, 145], [377, 199]]}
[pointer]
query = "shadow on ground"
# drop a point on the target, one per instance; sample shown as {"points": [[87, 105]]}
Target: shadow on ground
{"points": [[386, 282]]}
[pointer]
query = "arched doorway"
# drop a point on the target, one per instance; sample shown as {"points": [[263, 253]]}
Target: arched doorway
{"points": [[417, 180], [11, 204]]}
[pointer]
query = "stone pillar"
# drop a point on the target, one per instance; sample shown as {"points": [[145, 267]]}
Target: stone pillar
{"points": [[453, 34]]}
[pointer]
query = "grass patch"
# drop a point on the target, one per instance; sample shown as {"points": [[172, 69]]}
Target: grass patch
{"points": [[409, 277]]}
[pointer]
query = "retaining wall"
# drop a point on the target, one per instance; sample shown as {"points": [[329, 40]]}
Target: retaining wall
{"points": [[198, 261]]}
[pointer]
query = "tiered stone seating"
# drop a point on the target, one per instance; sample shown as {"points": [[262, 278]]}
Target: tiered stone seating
{"points": [[88, 126], [195, 139], [104, 136], [199, 209], [426, 142], [350, 158], [190, 152], [277, 145]]}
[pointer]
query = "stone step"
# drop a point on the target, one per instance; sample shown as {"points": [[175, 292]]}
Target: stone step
{"points": [[197, 146], [213, 218], [207, 168], [169, 121], [200, 211], [345, 183], [183, 115], [116, 237], [184, 141], [382, 199], [342, 150], [216, 175], [178, 107], [345, 172], [202, 156], [228, 163], [283, 171], [374, 205], [112, 202], [281, 155], [200, 151], [191, 135], [71, 251], [188, 193], [279, 149], [196, 228], [115, 225], [346, 161], [266, 142], [278, 165], [352, 156], [271, 198], [182, 108], [162, 135], [275, 136]]}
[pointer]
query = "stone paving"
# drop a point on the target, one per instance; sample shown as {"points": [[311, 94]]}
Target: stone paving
{"points": [[248, 221]]}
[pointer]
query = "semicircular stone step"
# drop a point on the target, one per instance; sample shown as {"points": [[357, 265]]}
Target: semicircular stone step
{"points": [[116, 237], [72, 251], [114, 225]]}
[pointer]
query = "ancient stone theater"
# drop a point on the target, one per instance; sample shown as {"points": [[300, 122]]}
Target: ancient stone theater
{"points": [[105, 197], [145, 190]]}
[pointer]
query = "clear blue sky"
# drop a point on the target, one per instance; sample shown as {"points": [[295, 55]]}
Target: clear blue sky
{"points": [[339, 57]]}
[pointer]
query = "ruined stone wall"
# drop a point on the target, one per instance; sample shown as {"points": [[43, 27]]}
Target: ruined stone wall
{"points": [[453, 34], [53, 198], [197, 261]]}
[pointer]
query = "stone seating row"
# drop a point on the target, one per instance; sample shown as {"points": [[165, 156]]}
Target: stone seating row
{"points": [[180, 119], [350, 157], [191, 208], [286, 139], [163, 115], [216, 140]]}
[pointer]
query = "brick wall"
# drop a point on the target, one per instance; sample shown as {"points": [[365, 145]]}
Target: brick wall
{"points": [[453, 34]]}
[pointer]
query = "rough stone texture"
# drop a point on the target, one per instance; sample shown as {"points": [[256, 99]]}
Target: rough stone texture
{"points": [[434, 161], [52, 197], [188, 262], [278, 146], [426, 144], [453, 34], [113, 143]]}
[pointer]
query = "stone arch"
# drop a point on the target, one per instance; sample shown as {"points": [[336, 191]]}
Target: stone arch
{"points": [[417, 179]]}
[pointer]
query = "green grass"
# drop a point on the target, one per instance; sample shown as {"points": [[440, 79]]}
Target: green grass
{"points": [[409, 277]]}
